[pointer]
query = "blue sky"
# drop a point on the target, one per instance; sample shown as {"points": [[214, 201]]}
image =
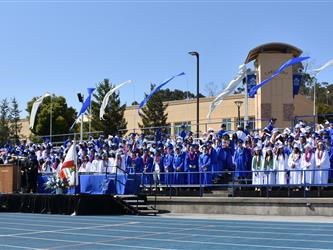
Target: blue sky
{"points": [[64, 47]]}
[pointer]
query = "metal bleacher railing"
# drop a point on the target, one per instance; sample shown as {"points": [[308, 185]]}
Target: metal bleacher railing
{"points": [[236, 182]]}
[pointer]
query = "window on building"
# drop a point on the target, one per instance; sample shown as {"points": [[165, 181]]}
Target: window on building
{"points": [[227, 122], [177, 127], [251, 122]]}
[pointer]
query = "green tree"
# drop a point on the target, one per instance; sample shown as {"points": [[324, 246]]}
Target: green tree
{"points": [[172, 95], [4, 121], [114, 119], [153, 114], [62, 116], [14, 118]]}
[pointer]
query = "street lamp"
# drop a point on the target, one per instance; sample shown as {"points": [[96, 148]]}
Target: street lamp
{"points": [[238, 104], [196, 54], [81, 99]]}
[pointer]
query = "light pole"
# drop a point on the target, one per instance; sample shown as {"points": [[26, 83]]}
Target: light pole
{"points": [[81, 99], [51, 118], [196, 54], [238, 104]]}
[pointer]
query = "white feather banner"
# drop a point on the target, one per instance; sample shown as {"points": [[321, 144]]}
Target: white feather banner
{"points": [[229, 89], [34, 110], [106, 98], [329, 63]]}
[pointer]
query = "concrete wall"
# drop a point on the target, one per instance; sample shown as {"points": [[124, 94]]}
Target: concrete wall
{"points": [[246, 206]]}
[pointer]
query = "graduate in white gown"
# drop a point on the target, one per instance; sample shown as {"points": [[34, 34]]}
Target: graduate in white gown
{"points": [[281, 166], [294, 165], [322, 165], [307, 164], [268, 167], [257, 177]]}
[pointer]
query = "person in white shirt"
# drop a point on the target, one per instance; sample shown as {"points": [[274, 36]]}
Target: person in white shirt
{"points": [[268, 167], [47, 167], [157, 166], [307, 164], [322, 165], [281, 166], [294, 165], [257, 177]]}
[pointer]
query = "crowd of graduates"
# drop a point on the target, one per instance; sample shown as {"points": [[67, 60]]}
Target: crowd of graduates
{"points": [[296, 156]]}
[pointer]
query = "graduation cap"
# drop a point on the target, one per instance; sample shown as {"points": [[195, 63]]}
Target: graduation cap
{"points": [[290, 139]]}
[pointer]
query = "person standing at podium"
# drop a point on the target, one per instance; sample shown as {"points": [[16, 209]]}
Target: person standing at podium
{"points": [[32, 171]]}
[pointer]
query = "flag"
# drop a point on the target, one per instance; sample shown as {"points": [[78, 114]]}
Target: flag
{"points": [[329, 63], [69, 163], [70, 159], [297, 78], [34, 110], [293, 61], [153, 92], [106, 98], [229, 89], [84, 107], [251, 81]]}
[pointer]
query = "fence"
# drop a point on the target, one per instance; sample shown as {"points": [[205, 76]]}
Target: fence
{"points": [[154, 181], [312, 120], [59, 139]]}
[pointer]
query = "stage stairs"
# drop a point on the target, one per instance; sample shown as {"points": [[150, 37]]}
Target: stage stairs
{"points": [[138, 204]]}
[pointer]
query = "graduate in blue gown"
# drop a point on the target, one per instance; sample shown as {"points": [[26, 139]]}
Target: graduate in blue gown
{"points": [[192, 166], [182, 132], [213, 157], [178, 165], [168, 166], [222, 130], [137, 162], [226, 152], [219, 156], [241, 160], [205, 167], [147, 167]]}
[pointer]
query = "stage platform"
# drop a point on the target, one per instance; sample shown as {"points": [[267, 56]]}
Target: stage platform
{"points": [[64, 204]]}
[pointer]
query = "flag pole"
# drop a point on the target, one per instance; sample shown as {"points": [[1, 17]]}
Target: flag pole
{"points": [[75, 167], [51, 119], [81, 129], [246, 107], [90, 118], [314, 102]]}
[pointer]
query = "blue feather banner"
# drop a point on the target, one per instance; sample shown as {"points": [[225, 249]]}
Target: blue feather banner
{"points": [[153, 92], [293, 61], [84, 107]]}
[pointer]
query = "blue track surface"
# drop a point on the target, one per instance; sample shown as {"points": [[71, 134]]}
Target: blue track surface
{"points": [[39, 231]]}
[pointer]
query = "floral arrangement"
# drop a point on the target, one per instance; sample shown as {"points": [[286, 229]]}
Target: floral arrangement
{"points": [[55, 182]]}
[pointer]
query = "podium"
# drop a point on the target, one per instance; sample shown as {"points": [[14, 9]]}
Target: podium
{"points": [[9, 178]]}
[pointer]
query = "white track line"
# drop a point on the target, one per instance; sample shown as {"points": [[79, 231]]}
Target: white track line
{"points": [[175, 232], [87, 242], [160, 220], [184, 224], [168, 228], [170, 240], [65, 231], [13, 246]]}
